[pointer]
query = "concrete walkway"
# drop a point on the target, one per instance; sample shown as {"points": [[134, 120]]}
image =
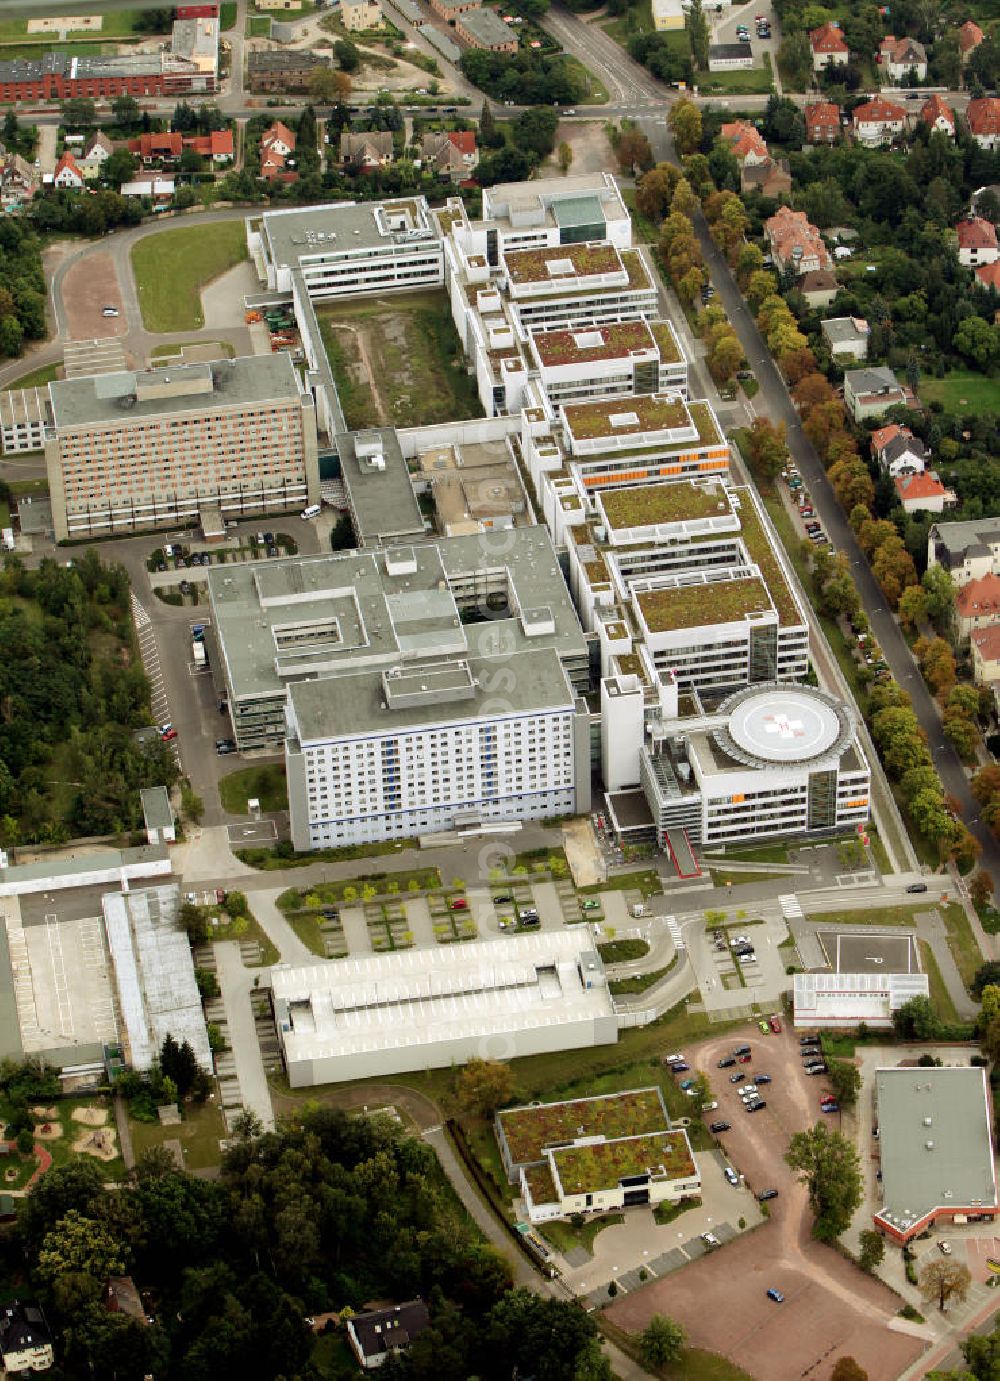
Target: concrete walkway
{"points": [[236, 983], [930, 927], [291, 949], [418, 918], [356, 934]]}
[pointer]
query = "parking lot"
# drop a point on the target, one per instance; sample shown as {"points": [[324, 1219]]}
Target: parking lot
{"points": [[830, 1308]]}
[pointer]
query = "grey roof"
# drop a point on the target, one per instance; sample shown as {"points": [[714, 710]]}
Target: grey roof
{"points": [[156, 810], [904, 445], [196, 388], [89, 863], [449, 50], [383, 504], [11, 1047], [195, 36], [280, 621], [345, 227], [957, 539], [408, 9], [578, 211], [486, 27], [949, 1109], [380, 1330], [283, 60], [838, 329], [875, 379], [22, 1326], [729, 50]]}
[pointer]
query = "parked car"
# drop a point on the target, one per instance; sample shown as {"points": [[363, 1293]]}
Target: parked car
{"points": [[917, 887], [741, 1050], [829, 1107], [672, 1059], [681, 1068], [816, 1069], [224, 746], [502, 900], [685, 1084], [727, 1063], [766, 1194], [808, 1040], [748, 1091], [776, 1295], [756, 1105], [736, 1078], [459, 904], [944, 1248], [762, 1079], [710, 1239], [710, 1107], [719, 1126], [731, 1175], [743, 1059], [591, 904], [764, 1027], [775, 1025]]}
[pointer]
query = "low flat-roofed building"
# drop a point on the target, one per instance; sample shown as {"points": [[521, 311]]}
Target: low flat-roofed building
{"points": [[833, 1000], [382, 1014], [383, 507], [485, 29], [730, 57], [847, 336], [554, 211], [935, 1147], [475, 486], [592, 1155], [146, 449], [158, 815], [24, 416]]}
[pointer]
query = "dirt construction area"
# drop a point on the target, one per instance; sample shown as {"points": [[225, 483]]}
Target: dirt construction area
{"points": [[830, 1308], [88, 287]]}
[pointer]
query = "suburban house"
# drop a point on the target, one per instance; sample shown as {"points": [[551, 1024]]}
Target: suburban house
{"points": [[99, 149], [872, 392], [978, 603], [938, 115], [592, 1155], [367, 152], [19, 181], [277, 144], [288, 70], [985, 646], [486, 30], [218, 146], [898, 57], [746, 144], [822, 122], [819, 287], [878, 122], [847, 336], [157, 149], [359, 15], [25, 1340], [898, 451], [67, 174], [829, 47], [989, 275], [983, 118], [977, 242], [795, 242], [378, 1333], [773, 177], [730, 57], [970, 35], [969, 550], [451, 153], [924, 493]]}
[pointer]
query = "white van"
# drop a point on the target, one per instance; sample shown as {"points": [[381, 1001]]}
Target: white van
{"points": [[313, 511]]}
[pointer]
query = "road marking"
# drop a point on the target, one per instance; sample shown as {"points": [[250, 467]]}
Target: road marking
{"points": [[676, 934]]}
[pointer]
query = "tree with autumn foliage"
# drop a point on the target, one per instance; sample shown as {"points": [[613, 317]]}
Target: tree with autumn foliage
{"points": [[767, 447], [654, 191], [684, 120]]}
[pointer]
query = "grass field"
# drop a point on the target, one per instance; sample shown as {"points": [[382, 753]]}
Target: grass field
{"points": [[939, 994], [398, 361], [962, 391], [962, 942], [597, 92], [116, 24], [258, 26], [266, 783], [172, 267], [879, 915], [199, 1134], [757, 80], [38, 378], [564, 1236], [227, 14]]}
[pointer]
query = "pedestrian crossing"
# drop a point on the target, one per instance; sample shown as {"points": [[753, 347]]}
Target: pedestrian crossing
{"points": [[675, 933]]}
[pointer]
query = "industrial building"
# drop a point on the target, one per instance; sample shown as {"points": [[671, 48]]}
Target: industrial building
{"points": [[377, 1015], [935, 1146], [595, 1155], [138, 450]]}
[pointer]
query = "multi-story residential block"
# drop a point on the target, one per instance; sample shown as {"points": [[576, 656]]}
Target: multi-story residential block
{"points": [[829, 47], [872, 392], [899, 57], [795, 242], [138, 450], [878, 122], [289, 69], [938, 116], [24, 416], [347, 249], [983, 118], [977, 242], [968, 550], [822, 122], [485, 29]]}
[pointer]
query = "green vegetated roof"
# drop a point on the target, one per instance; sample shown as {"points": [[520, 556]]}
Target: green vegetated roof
{"points": [[585, 1169], [694, 606], [617, 340], [648, 504], [541, 1185], [652, 412], [532, 265], [666, 340], [762, 554], [530, 1130], [708, 430]]}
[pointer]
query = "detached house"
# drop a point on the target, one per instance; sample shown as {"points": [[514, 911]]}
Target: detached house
{"points": [[819, 287], [366, 152], [924, 494], [451, 153], [878, 122], [989, 275], [985, 646], [872, 392], [19, 181], [829, 47], [772, 178], [25, 1340], [977, 242], [795, 242], [158, 149], [983, 118], [978, 604], [377, 1334], [745, 142], [67, 174], [822, 122], [970, 35], [938, 116], [847, 337], [277, 144], [898, 57], [898, 451]]}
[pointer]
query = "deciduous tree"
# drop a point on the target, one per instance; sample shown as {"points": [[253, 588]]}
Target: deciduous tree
{"points": [[684, 120], [661, 1342], [872, 1249], [943, 1281], [828, 1165], [483, 1086]]}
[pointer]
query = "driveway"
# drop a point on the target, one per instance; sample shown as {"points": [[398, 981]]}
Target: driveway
{"points": [[236, 983]]}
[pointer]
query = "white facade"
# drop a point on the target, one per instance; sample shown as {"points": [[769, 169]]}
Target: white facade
{"points": [[833, 1000], [24, 416], [383, 1014]]}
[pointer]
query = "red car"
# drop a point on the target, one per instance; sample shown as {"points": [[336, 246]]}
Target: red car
{"points": [[743, 1059], [775, 1025], [460, 904], [168, 735]]}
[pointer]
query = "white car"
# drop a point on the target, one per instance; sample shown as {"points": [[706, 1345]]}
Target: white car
{"points": [[710, 1239], [944, 1248], [109, 311], [673, 1059], [731, 1175], [748, 1091], [710, 1107]]}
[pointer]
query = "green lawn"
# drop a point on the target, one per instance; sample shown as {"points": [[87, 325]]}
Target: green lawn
{"points": [[169, 352], [939, 994], [565, 1237], [756, 80], [962, 942], [227, 14], [621, 987], [884, 915], [173, 266], [767, 853], [38, 378], [638, 19], [199, 1134], [116, 24], [623, 951], [597, 92], [4, 514], [266, 783], [646, 882], [962, 391], [722, 878], [258, 26]]}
